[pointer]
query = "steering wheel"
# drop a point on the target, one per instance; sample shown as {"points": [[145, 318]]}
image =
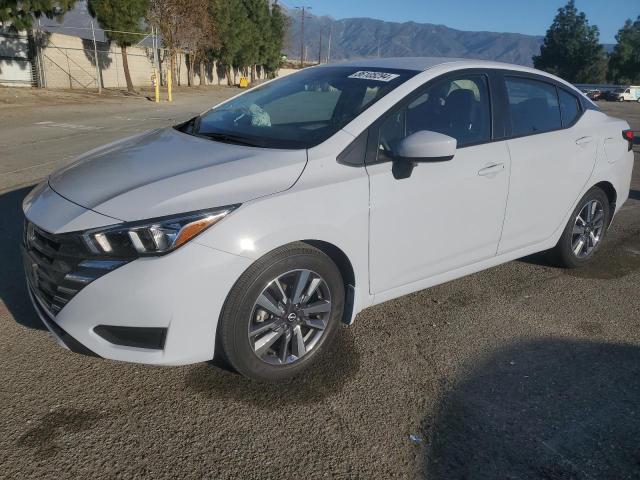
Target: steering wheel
{"points": [[385, 145]]}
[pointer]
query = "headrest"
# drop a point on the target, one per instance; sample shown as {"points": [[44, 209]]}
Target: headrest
{"points": [[461, 98]]}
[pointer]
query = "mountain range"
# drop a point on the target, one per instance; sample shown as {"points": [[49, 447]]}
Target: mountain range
{"points": [[353, 38]]}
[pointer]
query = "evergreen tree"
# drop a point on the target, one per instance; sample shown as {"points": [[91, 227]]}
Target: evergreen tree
{"points": [[278, 25], [229, 18], [624, 63], [248, 37], [572, 48], [258, 15], [118, 16], [248, 33], [18, 15]]}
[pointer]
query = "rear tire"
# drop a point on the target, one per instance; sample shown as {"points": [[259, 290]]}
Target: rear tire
{"points": [[585, 231], [266, 330]]}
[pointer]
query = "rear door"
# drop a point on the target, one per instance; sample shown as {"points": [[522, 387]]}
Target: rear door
{"points": [[552, 157]]}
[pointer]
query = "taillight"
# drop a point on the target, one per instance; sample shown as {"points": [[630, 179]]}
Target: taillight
{"points": [[628, 136]]}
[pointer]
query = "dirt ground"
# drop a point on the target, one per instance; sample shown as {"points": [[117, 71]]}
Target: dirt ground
{"points": [[35, 97]]}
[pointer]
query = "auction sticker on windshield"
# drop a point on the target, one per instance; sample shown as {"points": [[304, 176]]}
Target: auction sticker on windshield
{"points": [[378, 76]]}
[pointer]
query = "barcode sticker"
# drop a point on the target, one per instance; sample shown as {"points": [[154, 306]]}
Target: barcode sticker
{"points": [[377, 76]]}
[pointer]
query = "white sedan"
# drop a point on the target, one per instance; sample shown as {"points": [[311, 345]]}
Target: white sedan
{"points": [[253, 230]]}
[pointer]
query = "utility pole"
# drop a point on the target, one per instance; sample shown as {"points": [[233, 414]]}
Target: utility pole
{"points": [[95, 53], [320, 50], [302, 9], [42, 79], [156, 64], [329, 49]]}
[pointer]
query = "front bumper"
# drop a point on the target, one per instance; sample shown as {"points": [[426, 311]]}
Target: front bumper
{"points": [[182, 292], [63, 338]]}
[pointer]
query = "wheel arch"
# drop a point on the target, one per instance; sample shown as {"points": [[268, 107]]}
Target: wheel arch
{"points": [[612, 195], [337, 255]]}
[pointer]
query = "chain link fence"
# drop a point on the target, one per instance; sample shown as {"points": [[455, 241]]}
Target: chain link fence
{"points": [[71, 60], [56, 56]]}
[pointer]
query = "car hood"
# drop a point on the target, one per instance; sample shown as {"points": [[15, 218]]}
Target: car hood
{"points": [[164, 172]]}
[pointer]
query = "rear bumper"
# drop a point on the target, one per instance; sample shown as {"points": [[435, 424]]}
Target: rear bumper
{"points": [[182, 292]]}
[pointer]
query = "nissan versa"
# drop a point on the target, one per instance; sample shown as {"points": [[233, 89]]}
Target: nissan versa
{"points": [[253, 230]]}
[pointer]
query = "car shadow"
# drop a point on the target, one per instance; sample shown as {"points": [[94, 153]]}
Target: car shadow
{"points": [[13, 289], [634, 194], [541, 259], [546, 409], [327, 376]]}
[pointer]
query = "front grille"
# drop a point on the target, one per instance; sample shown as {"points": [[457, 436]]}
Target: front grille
{"points": [[59, 266]]}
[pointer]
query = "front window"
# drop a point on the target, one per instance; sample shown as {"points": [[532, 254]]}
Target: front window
{"points": [[458, 107], [298, 111]]}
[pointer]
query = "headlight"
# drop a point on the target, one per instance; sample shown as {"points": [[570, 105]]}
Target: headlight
{"points": [[152, 237]]}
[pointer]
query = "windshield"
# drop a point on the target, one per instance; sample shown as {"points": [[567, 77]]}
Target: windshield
{"points": [[300, 110]]}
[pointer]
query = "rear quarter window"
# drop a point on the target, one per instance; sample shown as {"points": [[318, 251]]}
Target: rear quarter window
{"points": [[569, 107]]}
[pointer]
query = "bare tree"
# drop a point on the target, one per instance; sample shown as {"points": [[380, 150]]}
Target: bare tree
{"points": [[186, 25], [194, 33], [164, 15]]}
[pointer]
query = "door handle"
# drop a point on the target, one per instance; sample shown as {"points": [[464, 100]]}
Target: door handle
{"points": [[490, 170], [584, 140]]}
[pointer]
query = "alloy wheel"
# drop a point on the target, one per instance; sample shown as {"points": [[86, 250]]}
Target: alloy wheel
{"points": [[289, 317], [587, 229]]}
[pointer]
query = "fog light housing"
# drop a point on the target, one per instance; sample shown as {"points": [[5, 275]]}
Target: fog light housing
{"points": [[151, 338]]}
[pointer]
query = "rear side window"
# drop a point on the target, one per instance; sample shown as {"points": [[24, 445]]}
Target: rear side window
{"points": [[533, 105], [569, 107]]}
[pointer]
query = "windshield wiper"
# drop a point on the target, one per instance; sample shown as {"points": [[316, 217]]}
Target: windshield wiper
{"points": [[230, 138]]}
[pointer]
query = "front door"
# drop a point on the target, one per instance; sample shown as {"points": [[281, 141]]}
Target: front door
{"points": [[446, 214]]}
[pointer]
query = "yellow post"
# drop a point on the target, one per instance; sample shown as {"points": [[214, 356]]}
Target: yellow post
{"points": [[156, 84], [169, 86]]}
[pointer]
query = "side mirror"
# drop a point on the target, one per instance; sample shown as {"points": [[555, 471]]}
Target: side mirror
{"points": [[421, 147]]}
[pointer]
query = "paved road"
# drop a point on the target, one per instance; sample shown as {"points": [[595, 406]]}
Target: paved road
{"points": [[36, 140], [521, 372]]}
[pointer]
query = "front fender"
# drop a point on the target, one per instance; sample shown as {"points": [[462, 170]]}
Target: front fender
{"points": [[329, 203]]}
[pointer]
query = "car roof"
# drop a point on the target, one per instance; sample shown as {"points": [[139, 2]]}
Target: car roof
{"points": [[422, 64], [425, 63]]}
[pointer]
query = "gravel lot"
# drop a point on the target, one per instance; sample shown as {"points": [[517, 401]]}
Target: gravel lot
{"points": [[523, 371]]}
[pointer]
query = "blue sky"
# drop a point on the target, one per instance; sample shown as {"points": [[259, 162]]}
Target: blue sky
{"points": [[531, 17]]}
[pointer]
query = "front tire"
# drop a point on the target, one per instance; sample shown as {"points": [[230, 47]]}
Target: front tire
{"points": [[585, 231], [282, 313]]}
